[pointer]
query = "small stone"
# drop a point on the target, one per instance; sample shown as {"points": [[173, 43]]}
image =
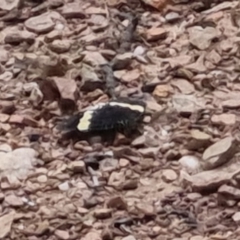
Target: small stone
{"points": [[156, 33], [4, 55], [89, 79], [154, 106], [4, 117], [219, 153], [77, 166], [7, 5], [73, 10], [54, 35], [7, 107], [64, 186], [230, 191], [184, 86], [16, 119], [121, 61], [94, 58], [5, 148], [140, 141], [130, 237], [202, 37], [199, 140], [224, 119], [139, 51], [149, 152], [212, 179], [131, 75], [231, 104], [130, 184], [14, 201], [42, 178], [169, 175], [60, 46], [64, 235], [190, 164], [42, 23], [236, 217], [67, 88], [117, 202], [103, 213], [162, 91], [19, 36], [172, 17], [123, 162], [146, 209], [107, 234]]}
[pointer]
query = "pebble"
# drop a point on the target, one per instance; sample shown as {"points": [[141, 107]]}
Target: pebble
{"points": [[42, 178], [130, 237], [156, 33], [13, 200], [190, 164], [123, 162], [117, 202], [169, 175], [77, 166], [64, 186], [219, 153], [103, 213], [172, 17], [64, 235], [236, 217]]}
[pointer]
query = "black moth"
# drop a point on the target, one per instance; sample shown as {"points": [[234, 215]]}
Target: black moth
{"points": [[122, 115]]}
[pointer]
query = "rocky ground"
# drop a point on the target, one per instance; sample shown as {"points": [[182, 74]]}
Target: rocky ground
{"points": [[180, 180]]}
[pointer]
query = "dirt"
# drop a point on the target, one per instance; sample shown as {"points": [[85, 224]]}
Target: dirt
{"points": [[178, 180]]}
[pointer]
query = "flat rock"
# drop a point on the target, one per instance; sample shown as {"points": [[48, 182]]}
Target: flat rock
{"points": [[131, 75], [13, 200], [198, 140], [229, 191], [169, 175], [4, 55], [158, 4], [219, 153], [42, 23], [202, 37], [224, 119], [6, 221], [89, 79], [19, 37], [130, 237], [121, 61], [9, 5], [60, 234], [187, 103], [94, 58], [77, 166], [211, 179], [156, 33], [73, 10], [19, 162], [231, 104], [60, 46], [183, 86], [66, 87]]}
